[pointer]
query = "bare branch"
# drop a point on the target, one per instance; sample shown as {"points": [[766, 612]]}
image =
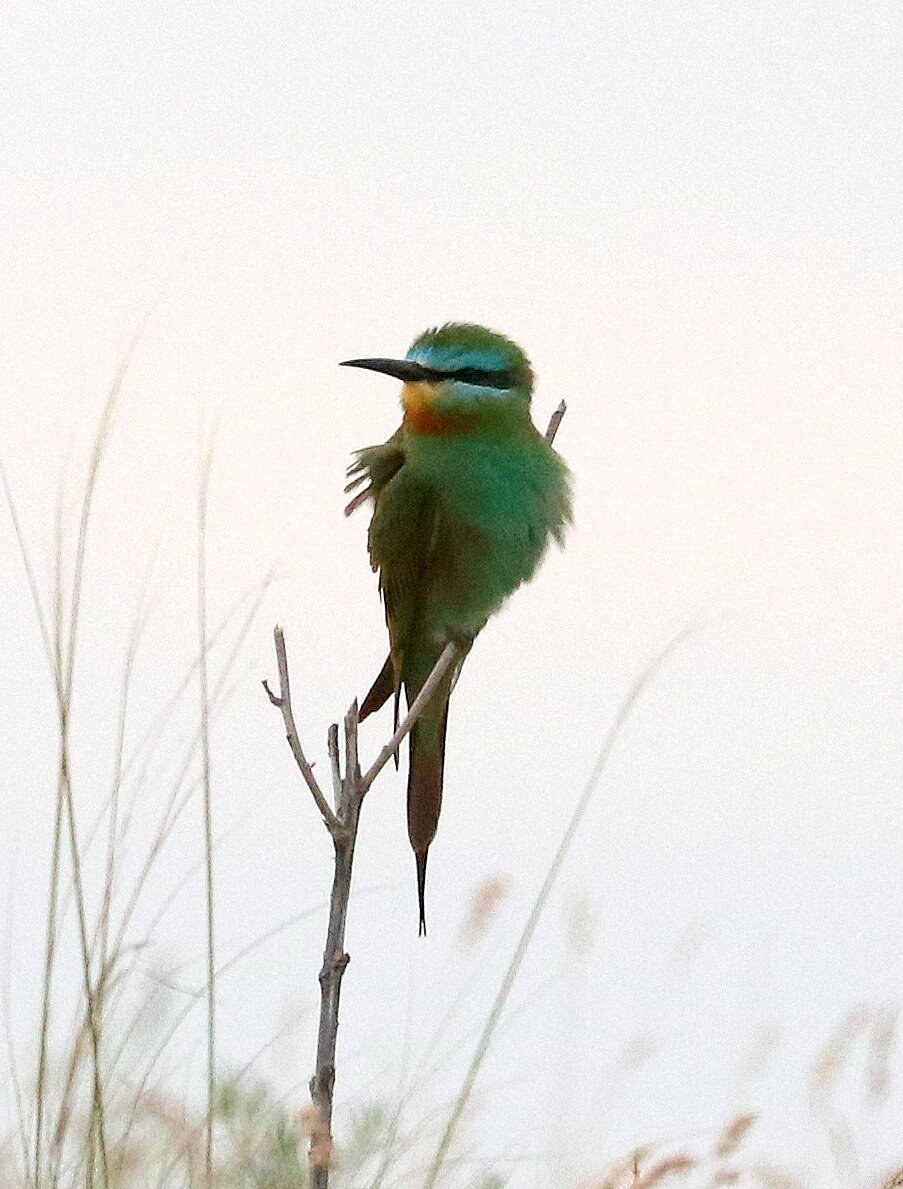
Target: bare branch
{"points": [[554, 422], [450, 654], [284, 703], [349, 788], [352, 796], [332, 746]]}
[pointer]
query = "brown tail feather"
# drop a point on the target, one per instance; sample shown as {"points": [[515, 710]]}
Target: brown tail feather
{"points": [[380, 691], [427, 759], [420, 856]]}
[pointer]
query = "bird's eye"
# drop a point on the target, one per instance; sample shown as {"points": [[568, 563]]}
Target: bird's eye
{"points": [[481, 377]]}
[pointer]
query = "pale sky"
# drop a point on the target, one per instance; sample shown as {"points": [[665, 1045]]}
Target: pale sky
{"points": [[689, 216]]}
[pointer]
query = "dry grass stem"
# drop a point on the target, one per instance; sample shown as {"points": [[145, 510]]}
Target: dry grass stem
{"points": [[207, 809], [633, 695]]}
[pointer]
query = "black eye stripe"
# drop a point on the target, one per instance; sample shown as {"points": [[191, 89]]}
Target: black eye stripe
{"points": [[483, 378]]}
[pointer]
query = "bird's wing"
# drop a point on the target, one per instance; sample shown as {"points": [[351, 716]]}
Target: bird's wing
{"points": [[421, 549], [428, 559], [402, 542], [373, 466], [372, 470]]}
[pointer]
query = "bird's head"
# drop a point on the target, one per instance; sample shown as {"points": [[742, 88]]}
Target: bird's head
{"points": [[458, 375]]}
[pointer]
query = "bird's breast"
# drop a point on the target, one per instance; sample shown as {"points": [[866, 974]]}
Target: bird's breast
{"points": [[424, 414]]}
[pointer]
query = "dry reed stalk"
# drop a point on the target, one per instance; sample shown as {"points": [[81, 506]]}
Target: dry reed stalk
{"points": [[61, 647], [639, 686], [207, 808]]}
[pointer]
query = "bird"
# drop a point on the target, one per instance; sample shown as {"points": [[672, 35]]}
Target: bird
{"points": [[466, 495]]}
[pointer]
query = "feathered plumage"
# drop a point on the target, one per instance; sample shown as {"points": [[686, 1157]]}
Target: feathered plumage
{"points": [[466, 497]]}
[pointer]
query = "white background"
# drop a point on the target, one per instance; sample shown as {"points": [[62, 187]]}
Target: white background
{"points": [[689, 216]]}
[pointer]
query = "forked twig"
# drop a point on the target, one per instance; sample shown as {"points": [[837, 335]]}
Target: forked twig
{"points": [[554, 422], [283, 701], [349, 790], [450, 654]]}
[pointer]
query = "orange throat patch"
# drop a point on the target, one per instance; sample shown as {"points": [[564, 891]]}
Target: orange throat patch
{"points": [[422, 414]]}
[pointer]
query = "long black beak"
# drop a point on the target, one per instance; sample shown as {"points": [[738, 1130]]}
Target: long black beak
{"points": [[401, 369]]}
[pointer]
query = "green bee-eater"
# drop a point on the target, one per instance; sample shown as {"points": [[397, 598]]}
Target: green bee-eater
{"points": [[467, 495]]}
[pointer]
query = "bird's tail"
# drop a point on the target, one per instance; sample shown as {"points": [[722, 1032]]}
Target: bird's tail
{"points": [[427, 759], [380, 691]]}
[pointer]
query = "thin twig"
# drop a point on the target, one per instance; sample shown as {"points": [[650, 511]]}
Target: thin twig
{"points": [[332, 746], [554, 422], [284, 703], [348, 802], [451, 653], [335, 959], [350, 788]]}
